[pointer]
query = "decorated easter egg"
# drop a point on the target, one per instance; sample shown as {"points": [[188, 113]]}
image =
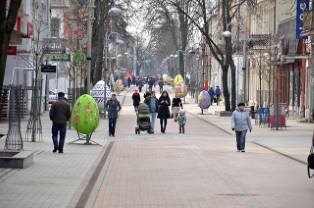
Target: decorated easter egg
{"points": [[180, 90], [204, 99], [98, 92], [85, 114], [178, 79], [165, 77], [118, 86]]}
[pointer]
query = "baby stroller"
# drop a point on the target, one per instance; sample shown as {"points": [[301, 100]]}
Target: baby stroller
{"points": [[143, 121]]}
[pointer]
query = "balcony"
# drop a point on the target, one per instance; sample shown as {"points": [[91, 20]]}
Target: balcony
{"points": [[60, 4]]}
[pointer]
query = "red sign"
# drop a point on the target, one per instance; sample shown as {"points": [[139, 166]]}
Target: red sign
{"points": [[11, 50], [18, 23]]}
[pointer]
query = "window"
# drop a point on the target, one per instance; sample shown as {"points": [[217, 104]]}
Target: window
{"points": [[55, 27]]}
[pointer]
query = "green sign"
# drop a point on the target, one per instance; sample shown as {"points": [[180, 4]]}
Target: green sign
{"points": [[79, 58], [60, 57]]}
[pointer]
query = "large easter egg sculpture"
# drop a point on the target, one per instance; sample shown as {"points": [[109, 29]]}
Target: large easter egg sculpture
{"points": [[98, 93], [85, 115], [165, 77], [178, 79], [180, 90], [118, 86], [204, 100]]}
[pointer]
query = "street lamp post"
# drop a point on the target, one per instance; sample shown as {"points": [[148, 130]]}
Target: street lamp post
{"points": [[89, 43]]}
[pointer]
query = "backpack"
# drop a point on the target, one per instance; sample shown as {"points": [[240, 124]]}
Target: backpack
{"points": [[310, 162]]}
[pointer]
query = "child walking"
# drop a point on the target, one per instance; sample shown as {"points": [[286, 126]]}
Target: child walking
{"points": [[181, 121]]}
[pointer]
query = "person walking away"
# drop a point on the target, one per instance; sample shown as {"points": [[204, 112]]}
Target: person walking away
{"points": [[113, 107], [211, 93], [241, 123], [182, 121], [129, 82], [176, 105], [59, 114], [136, 97], [151, 84], [140, 85], [161, 86], [152, 103], [218, 94], [163, 110]]}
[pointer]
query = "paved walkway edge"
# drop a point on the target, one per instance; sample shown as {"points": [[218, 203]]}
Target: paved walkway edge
{"points": [[91, 172], [253, 142], [100, 180], [84, 192], [280, 153], [82, 195]]}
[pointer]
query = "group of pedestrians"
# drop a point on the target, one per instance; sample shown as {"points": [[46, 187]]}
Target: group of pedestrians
{"points": [[60, 114], [160, 108], [214, 94]]}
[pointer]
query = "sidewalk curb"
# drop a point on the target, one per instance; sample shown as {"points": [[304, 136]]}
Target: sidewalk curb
{"points": [[85, 189], [84, 184], [280, 153]]}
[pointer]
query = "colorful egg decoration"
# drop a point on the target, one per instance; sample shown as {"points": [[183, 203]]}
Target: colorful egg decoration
{"points": [[204, 99], [85, 114], [98, 92], [178, 79], [180, 90], [118, 86], [165, 77]]}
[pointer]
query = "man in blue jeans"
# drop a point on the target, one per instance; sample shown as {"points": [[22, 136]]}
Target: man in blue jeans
{"points": [[113, 107], [59, 114], [241, 123]]}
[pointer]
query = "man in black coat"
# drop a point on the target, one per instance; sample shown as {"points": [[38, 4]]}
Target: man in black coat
{"points": [[59, 114]]}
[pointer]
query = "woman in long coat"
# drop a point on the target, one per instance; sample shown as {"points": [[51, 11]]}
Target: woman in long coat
{"points": [[163, 110]]}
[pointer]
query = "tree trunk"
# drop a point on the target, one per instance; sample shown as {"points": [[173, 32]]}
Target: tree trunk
{"points": [[181, 64], [225, 70], [3, 56], [99, 53], [8, 20], [228, 47], [233, 85], [184, 37]]}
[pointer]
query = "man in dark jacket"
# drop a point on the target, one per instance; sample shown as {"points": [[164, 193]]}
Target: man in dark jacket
{"points": [[152, 103], [136, 97], [161, 85], [113, 107], [218, 94], [59, 113]]}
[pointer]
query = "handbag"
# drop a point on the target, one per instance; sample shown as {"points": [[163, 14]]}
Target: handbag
{"points": [[310, 162]]}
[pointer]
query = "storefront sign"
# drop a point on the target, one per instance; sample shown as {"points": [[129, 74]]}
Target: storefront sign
{"points": [[48, 69], [60, 58], [54, 46], [302, 6], [11, 50]]}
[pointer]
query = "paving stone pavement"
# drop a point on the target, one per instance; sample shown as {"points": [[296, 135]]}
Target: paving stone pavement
{"points": [[294, 141], [198, 169], [54, 180]]}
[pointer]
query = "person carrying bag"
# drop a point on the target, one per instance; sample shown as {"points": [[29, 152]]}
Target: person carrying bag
{"points": [[310, 160]]}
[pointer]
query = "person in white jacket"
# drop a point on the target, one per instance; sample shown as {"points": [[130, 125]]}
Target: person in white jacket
{"points": [[241, 123]]}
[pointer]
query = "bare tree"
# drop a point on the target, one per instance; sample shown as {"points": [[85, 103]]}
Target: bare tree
{"points": [[203, 10], [7, 19], [164, 19]]}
